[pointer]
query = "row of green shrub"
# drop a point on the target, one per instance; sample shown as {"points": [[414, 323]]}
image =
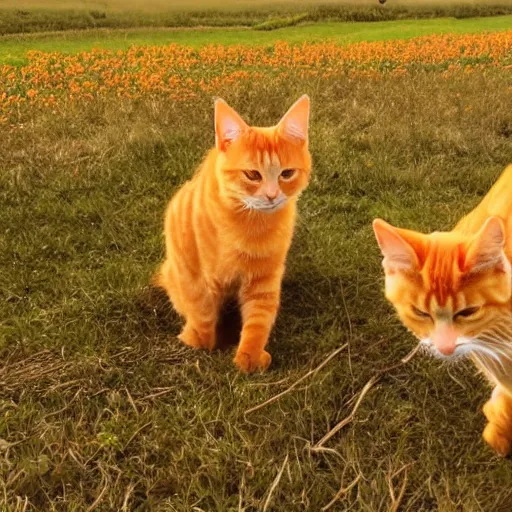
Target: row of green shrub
{"points": [[383, 13], [15, 21]]}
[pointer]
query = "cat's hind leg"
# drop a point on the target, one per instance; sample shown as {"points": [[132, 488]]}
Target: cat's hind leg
{"points": [[199, 330], [201, 308], [194, 301], [498, 432]]}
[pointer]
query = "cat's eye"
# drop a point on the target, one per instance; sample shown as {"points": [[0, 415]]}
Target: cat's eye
{"points": [[466, 313], [287, 173], [420, 313], [253, 175]]}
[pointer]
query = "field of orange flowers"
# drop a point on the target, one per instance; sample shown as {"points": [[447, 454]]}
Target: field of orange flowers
{"points": [[182, 73]]}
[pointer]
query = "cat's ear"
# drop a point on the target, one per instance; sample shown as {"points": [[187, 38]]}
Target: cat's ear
{"points": [[228, 125], [486, 249], [294, 124], [398, 252]]}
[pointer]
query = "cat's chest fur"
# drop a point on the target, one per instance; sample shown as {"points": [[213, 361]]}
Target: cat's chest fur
{"points": [[247, 255]]}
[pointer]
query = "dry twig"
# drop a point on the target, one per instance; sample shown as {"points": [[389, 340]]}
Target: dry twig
{"points": [[127, 495], [104, 481], [345, 421], [297, 382], [342, 492], [275, 483], [240, 494], [35, 368], [130, 399], [136, 433], [395, 501], [154, 395]]}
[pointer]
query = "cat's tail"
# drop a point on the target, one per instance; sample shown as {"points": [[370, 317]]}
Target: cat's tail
{"points": [[157, 279]]}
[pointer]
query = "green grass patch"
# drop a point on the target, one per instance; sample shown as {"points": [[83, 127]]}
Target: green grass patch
{"points": [[100, 403], [13, 49], [275, 23]]}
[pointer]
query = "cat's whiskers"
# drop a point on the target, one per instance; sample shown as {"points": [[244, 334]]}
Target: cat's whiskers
{"points": [[259, 204], [489, 350], [496, 343], [501, 331], [491, 358]]}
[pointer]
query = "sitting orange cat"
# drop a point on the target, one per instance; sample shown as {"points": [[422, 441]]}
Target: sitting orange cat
{"points": [[229, 228], [454, 292]]}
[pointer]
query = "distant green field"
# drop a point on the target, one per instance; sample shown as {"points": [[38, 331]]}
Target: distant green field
{"points": [[33, 16], [13, 49]]}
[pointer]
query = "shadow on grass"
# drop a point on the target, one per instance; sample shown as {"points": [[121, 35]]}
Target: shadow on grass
{"points": [[302, 295]]}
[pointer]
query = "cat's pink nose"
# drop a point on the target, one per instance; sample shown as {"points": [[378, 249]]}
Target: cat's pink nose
{"points": [[271, 191], [445, 339]]}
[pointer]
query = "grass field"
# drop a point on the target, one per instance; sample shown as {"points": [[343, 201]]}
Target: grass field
{"points": [[13, 49], [103, 409]]}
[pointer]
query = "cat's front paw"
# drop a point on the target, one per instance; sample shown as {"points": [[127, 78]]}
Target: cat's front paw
{"points": [[195, 339], [497, 440], [251, 362], [498, 432]]}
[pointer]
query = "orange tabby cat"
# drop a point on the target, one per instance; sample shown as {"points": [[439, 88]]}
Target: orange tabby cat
{"points": [[229, 228], [453, 290]]}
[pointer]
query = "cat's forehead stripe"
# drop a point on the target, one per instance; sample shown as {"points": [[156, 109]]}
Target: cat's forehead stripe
{"points": [[270, 160], [443, 276]]}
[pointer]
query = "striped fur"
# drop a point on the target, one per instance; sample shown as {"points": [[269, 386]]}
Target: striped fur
{"points": [[227, 233], [453, 290]]}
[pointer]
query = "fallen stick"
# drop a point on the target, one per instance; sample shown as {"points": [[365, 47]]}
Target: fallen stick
{"points": [[136, 433], [275, 483], [297, 382], [342, 491], [396, 501], [373, 380], [104, 481]]}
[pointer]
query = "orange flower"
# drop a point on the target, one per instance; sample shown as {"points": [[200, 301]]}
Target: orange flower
{"points": [[184, 73]]}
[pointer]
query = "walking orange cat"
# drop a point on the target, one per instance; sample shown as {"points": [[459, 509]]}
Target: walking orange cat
{"points": [[453, 290], [228, 230]]}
